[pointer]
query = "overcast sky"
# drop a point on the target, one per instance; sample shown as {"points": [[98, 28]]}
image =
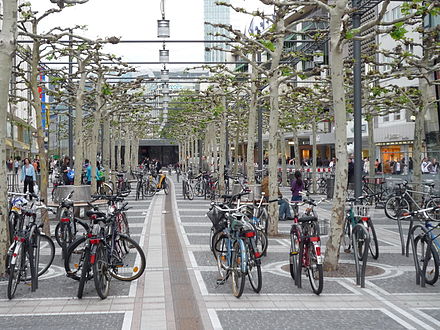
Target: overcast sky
{"points": [[137, 19]]}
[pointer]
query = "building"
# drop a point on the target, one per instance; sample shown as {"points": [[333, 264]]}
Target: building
{"points": [[215, 14]]}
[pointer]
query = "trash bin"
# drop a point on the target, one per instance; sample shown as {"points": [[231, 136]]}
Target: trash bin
{"points": [[330, 187]]}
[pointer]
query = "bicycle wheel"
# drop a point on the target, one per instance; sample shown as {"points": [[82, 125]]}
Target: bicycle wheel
{"points": [[199, 189], [149, 188], [84, 273], [261, 242], [346, 239], [393, 205], [12, 222], [238, 277], [315, 271], [105, 189], [128, 260], [189, 191], [44, 254], [75, 256], [294, 251], [15, 271], [220, 251], [101, 272], [374, 244], [359, 240], [434, 215], [254, 271], [428, 258]]}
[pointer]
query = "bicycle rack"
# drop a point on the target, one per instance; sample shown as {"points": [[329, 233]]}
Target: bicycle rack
{"points": [[360, 269], [420, 275]]}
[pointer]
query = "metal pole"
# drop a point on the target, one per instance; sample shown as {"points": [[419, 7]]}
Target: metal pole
{"points": [[70, 107], [357, 100], [227, 144], [260, 138]]}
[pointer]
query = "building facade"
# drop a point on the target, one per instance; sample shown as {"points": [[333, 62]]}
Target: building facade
{"points": [[217, 15]]}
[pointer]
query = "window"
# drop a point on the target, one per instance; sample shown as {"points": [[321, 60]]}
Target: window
{"points": [[397, 116], [386, 118]]}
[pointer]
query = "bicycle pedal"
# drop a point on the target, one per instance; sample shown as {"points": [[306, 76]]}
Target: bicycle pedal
{"points": [[220, 281], [347, 250]]}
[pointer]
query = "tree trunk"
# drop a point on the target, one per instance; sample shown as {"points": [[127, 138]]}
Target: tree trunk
{"points": [[106, 152], [314, 128], [95, 132], [236, 149], [222, 164], [7, 51], [283, 158], [252, 126], [78, 125], [371, 146], [273, 127], [119, 153], [296, 149], [127, 149], [337, 80]]}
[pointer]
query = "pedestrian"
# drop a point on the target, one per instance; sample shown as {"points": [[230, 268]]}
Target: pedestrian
{"points": [[65, 168], [16, 165], [397, 168], [28, 177], [410, 165], [205, 165], [284, 207], [296, 187], [350, 171], [425, 165], [434, 166], [366, 165]]}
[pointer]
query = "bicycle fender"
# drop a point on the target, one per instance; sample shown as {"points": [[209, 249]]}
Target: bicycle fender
{"points": [[243, 256]]}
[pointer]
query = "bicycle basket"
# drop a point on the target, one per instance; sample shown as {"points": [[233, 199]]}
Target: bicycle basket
{"points": [[362, 210], [217, 218]]}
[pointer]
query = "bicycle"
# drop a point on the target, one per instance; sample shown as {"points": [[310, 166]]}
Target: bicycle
{"points": [[104, 253], [425, 245], [235, 251], [305, 250], [187, 189], [24, 254], [68, 227], [402, 200], [359, 214], [17, 202]]}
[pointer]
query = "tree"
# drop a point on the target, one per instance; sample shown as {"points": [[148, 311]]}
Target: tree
{"points": [[8, 37]]}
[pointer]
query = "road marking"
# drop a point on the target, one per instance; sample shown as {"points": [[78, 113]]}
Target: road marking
{"points": [[426, 316], [128, 317], [215, 321]]}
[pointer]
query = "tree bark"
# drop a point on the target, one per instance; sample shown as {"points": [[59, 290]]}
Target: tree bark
{"points": [[371, 146], [296, 149], [283, 157], [8, 35], [314, 150], [337, 81], [222, 164], [107, 144], [95, 132]]}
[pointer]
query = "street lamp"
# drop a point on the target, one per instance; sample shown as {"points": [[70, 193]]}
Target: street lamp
{"points": [[164, 75], [164, 55], [163, 28]]}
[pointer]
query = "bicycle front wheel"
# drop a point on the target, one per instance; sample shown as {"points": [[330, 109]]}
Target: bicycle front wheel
{"points": [[189, 192], [15, 271], [128, 260], [238, 278], [294, 252], [374, 244], [428, 258], [254, 272], [44, 253], [85, 270], [434, 215], [315, 271], [101, 272], [75, 258], [360, 239]]}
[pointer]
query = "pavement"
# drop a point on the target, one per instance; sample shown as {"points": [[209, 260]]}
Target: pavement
{"points": [[178, 289]]}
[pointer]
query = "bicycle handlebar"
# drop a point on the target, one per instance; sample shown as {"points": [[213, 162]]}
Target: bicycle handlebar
{"points": [[227, 209]]}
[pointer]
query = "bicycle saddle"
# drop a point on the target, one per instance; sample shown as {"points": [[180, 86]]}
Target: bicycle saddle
{"points": [[307, 219], [98, 214], [67, 203]]}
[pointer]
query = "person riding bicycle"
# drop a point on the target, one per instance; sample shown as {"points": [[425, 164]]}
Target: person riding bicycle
{"points": [[284, 210]]}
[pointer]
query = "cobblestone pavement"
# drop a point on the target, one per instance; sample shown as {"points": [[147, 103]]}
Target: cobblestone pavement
{"points": [[179, 291]]}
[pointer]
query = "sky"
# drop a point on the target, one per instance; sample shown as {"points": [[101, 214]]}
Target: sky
{"points": [[137, 20]]}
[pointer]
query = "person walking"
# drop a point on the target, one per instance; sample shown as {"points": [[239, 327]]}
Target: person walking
{"points": [[16, 165], [28, 176], [296, 187], [65, 170]]}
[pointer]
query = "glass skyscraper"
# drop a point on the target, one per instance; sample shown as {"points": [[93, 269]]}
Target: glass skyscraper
{"points": [[215, 14]]}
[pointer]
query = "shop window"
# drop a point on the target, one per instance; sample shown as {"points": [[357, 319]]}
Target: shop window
{"points": [[397, 116]]}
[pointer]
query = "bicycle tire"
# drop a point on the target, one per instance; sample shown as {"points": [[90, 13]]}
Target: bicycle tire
{"points": [[84, 273], [15, 272], [261, 241], [254, 271], [12, 222], [393, 204], [221, 253], [294, 251], [149, 188], [238, 278], [189, 192], [199, 189], [359, 236], [100, 272], [67, 235], [315, 271], [374, 244], [132, 261], [74, 260], [434, 215], [346, 238], [428, 267], [45, 243]]}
